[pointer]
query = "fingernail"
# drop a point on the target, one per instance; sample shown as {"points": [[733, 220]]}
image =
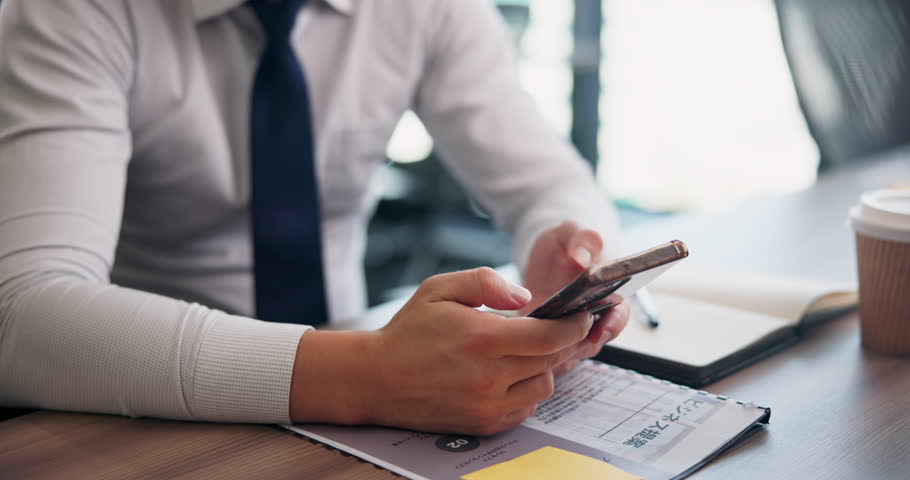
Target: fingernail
{"points": [[519, 293], [582, 256], [605, 336]]}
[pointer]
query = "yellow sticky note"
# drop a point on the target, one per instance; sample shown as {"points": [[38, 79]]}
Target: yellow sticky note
{"points": [[550, 463]]}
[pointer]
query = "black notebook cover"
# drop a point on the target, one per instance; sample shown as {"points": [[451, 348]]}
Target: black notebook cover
{"points": [[698, 376]]}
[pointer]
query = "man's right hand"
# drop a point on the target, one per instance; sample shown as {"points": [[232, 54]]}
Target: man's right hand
{"points": [[439, 365]]}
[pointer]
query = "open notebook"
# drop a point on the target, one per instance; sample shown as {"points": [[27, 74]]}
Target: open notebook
{"points": [[714, 323], [602, 422]]}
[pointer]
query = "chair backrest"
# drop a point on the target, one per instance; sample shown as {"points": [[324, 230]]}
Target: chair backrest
{"points": [[850, 61]]}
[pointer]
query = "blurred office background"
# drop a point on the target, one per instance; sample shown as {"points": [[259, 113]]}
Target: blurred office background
{"points": [[678, 105]]}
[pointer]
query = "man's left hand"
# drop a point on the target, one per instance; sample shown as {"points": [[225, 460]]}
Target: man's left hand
{"points": [[559, 255]]}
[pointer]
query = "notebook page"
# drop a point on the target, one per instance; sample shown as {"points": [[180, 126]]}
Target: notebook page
{"points": [[695, 332], [779, 296]]}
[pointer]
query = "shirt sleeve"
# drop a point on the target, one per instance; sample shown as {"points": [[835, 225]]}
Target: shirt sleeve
{"points": [[491, 135], [69, 339]]}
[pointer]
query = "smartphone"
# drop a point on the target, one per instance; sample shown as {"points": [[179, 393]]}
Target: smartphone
{"points": [[622, 276]]}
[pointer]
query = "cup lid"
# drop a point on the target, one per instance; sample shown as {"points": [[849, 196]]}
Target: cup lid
{"points": [[884, 214]]}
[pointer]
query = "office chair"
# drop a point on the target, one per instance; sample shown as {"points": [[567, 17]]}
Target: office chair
{"points": [[850, 61]]}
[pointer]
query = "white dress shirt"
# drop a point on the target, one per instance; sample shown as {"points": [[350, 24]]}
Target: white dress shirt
{"points": [[125, 256]]}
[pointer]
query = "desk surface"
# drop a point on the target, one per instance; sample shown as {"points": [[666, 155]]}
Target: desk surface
{"points": [[838, 411], [800, 234]]}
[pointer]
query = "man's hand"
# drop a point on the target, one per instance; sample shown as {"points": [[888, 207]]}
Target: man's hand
{"points": [[559, 255], [439, 365]]}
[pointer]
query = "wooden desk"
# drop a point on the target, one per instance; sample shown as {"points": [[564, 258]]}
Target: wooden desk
{"points": [[66, 445], [838, 411]]}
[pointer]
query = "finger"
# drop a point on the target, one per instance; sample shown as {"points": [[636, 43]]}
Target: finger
{"points": [[561, 236], [565, 367], [531, 391], [525, 336], [515, 417], [507, 421], [597, 331], [583, 350], [480, 286], [606, 325], [615, 320], [564, 232], [520, 368], [584, 247]]}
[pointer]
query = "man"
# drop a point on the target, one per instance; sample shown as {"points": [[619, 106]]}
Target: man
{"points": [[170, 170]]}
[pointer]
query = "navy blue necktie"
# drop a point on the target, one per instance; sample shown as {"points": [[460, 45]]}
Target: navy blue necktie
{"points": [[287, 246]]}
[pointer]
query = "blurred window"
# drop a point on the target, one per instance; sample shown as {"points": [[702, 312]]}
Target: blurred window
{"points": [[697, 109]]}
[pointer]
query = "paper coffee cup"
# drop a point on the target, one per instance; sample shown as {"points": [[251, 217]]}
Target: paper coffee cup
{"points": [[881, 221]]}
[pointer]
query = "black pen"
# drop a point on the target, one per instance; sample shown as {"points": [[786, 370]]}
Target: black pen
{"points": [[648, 309]]}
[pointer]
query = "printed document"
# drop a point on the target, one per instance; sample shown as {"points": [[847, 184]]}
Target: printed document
{"points": [[643, 426]]}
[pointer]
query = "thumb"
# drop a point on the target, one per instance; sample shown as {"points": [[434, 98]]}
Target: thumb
{"points": [[584, 247], [480, 286]]}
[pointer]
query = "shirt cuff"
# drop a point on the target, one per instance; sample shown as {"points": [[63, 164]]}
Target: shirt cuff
{"points": [[241, 371]]}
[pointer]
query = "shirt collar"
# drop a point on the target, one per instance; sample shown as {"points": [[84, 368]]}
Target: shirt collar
{"points": [[206, 9]]}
